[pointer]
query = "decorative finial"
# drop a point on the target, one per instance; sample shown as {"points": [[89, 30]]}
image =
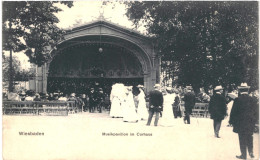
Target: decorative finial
{"points": [[101, 14]]}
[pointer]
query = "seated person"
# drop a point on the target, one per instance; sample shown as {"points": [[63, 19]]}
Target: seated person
{"points": [[37, 97]]}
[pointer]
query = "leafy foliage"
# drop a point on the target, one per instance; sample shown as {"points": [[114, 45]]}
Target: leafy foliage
{"points": [[18, 74], [31, 26], [209, 43]]}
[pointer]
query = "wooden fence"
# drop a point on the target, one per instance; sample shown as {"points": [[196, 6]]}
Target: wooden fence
{"points": [[64, 108], [39, 108]]}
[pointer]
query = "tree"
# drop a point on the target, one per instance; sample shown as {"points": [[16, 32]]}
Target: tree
{"points": [[5, 66], [31, 26], [209, 43], [18, 73]]}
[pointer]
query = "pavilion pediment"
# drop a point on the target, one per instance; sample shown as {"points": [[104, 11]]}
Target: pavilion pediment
{"points": [[106, 28]]}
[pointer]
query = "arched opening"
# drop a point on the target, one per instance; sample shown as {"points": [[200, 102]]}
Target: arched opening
{"points": [[78, 67]]}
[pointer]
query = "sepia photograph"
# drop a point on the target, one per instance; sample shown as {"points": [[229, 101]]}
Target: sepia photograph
{"points": [[130, 80]]}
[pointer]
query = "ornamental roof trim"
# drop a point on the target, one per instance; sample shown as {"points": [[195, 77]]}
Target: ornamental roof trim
{"points": [[108, 23]]}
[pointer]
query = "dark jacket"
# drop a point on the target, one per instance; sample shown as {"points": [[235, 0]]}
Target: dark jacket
{"points": [[189, 99], [155, 101], [93, 97], [176, 101], [217, 107], [37, 99], [244, 114], [100, 97]]}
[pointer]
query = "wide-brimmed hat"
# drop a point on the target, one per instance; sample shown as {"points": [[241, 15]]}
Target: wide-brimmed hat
{"points": [[169, 88], [129, 88], [189, 87], [232, 95], [23, 93], [243, 86], [157, 85], [176, 91], [217, 88], [140, 86]]}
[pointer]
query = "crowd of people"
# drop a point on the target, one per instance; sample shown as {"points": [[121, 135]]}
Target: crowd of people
{"points": [[239, 108], [134, 107], [243, 113], [94, 100], [124, 104], [78, 86]]}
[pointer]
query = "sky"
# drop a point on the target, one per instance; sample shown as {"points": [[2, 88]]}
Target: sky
{"points": [[85, 12], [88, 11]]}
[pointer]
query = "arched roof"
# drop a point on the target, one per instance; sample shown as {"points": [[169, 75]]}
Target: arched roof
{"points": [[109, 33]]}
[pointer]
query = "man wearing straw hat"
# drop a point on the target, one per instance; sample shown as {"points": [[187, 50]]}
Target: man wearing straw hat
{"points": [[244, 115], [217, 109]]}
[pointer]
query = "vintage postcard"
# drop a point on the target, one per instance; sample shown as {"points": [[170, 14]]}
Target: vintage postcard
{"points": [[130, 80]]}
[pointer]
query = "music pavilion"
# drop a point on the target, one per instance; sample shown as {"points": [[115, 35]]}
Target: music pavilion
{"points": [[100, 52]]}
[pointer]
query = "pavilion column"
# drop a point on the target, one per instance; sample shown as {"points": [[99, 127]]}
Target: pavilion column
{"points": [[158, 72], [153, 72], [44, 77], [36, 80], [41, 78], [146, 83]]}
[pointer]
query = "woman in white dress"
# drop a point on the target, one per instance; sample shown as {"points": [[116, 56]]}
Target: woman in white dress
{"points": [[130, 114], [167, 119], [231, 97], [142, 110], [115, 98]]}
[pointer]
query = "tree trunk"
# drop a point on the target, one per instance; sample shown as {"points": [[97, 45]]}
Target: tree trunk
{"points": [[11, 88], [11, 72]]}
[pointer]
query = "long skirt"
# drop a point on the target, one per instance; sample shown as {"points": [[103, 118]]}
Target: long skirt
{"points": [[177, 111], [116, 109], [130, 114], [142, 110], [167, 116]]}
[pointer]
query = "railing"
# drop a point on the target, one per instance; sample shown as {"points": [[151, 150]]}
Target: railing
{"points": [[39, 108], [64, 108], [16, 107], [52, 108], [199, 110]]}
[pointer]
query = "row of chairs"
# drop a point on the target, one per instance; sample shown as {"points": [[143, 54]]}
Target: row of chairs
{"points": [[200, 110], [39, 108]]}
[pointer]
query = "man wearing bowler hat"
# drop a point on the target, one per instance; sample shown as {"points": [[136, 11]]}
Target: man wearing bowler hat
{"points": [[155, 104], [243, 117], [217, 109]]}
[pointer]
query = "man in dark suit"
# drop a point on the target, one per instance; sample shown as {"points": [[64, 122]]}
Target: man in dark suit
{"points": [[100, 99], [244, 115], [92, 100], [155, 104], [217, 109], [85, 101], [189, 103]]}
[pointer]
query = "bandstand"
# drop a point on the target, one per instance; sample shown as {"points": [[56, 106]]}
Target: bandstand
{"points": [[101, 52]]}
